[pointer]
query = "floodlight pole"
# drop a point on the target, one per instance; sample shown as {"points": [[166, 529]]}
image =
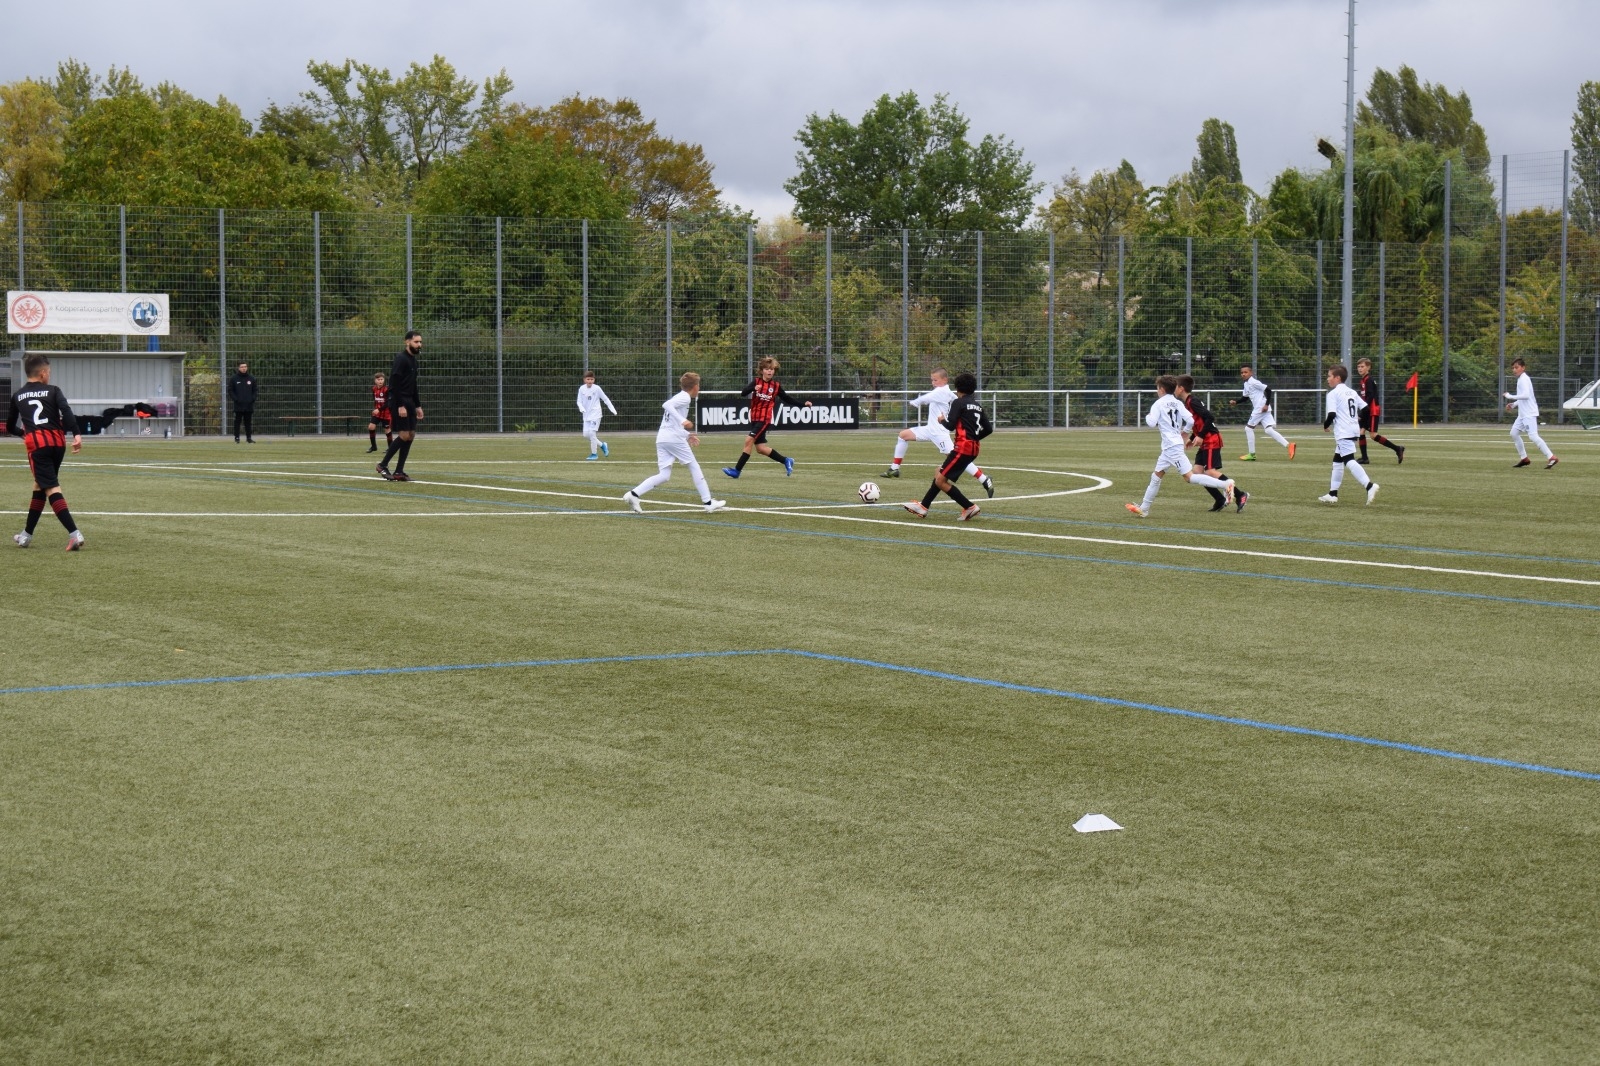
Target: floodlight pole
{"points": [[1348, 294]]}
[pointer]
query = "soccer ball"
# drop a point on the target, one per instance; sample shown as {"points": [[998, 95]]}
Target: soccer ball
{"points": [[868, 492]]}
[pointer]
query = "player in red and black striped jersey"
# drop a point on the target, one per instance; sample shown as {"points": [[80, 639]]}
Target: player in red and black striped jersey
{"points": [[968, 424], [1207, 438], [380, 414], [41, 416], [1367, 389], [765, 396]]}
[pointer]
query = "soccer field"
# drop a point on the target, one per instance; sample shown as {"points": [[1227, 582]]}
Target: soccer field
{"points": [[300, 765]]}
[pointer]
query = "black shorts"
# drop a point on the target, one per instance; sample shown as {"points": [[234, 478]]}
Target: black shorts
{"points": [[1369, 418], [953, 464], [379, 419], [1209, 458], [758, 431], [46, 466], [403, 423]]}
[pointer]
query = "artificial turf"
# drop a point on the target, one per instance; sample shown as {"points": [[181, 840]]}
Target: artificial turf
{"points": [[771, 856]]}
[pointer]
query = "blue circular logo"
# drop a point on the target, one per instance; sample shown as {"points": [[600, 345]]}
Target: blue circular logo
{"points": [[145, 314]]}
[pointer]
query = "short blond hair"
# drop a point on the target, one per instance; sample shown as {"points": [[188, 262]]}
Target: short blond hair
{"points": [[766, 361], [688, 381]]}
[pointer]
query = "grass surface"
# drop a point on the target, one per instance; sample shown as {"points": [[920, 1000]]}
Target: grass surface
{"points": [[788, 858]]}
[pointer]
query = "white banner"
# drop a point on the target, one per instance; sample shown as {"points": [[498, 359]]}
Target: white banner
{"points": [[115, 313]]}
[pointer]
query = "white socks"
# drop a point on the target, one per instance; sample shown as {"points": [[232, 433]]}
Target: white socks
{"points": [[1207, 481], [900, 447], [1150, 492], [594, 442], [1275, 435], [1250, 440], [1356, 471]]}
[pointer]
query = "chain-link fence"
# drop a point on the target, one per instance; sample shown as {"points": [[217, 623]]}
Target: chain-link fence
{"points": [[513, 310]]}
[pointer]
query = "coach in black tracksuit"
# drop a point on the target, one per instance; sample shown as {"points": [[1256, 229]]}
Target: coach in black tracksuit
{"points": [[242, 391]]}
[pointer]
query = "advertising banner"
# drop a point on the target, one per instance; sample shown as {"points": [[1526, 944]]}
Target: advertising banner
{"points": [[732, 414], [111, 313]]}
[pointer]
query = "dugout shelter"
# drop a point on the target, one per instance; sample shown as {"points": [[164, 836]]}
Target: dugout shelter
{"points": [[117, 393]]}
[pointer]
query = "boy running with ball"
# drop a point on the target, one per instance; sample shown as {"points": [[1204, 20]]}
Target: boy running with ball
{"points": [[1172, 418], [1343, 418], [968, 423]]}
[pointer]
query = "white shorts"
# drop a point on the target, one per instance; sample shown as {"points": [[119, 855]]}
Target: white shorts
{"points": [[591, 425], [1527, 425], [674, 451], [1262, 419], [1346, 448], [1171, 457], [937, 436]]}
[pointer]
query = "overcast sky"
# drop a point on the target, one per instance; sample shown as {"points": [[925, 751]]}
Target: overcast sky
{"points": [[1072, 83]]}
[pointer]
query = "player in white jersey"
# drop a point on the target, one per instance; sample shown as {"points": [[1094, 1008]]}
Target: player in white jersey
{"points": [[1258, 394], [1343, 419], [1527, 423], [675, 444], [1169, 415], [590, 397], [937, 401]]}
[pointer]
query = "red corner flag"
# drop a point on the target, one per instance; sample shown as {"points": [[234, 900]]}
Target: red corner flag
{"points": [[1411, 382]]}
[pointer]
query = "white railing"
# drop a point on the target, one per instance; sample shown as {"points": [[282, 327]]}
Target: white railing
{"points": [[1064, 407]]}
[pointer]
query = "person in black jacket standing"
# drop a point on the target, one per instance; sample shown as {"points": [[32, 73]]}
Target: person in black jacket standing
{"points": [[242, 391], [405, 407]]}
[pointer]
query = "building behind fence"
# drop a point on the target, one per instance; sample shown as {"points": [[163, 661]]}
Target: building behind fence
{"points": [[513, 310]]}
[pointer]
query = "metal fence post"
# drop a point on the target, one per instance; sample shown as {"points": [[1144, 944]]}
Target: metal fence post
{"points": [[750, 301], [1319, 315], [1445, 318], [669, 303], [1050, 342], [1255, 313], [22, 338], [584, 237], [1188, 305], [1505, 193], [221, 320], [316, 302], [499, 329], [409, 286], [1383, 326], [1122, 320], [905, 326], [1561, 343], [827, 303], [979, 369], [122, 253]]}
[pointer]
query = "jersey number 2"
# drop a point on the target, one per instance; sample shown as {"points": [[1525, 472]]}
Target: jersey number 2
{"points": [[38, 412]]}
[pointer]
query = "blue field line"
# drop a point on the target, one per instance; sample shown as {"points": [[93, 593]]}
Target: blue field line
{"points": [[938, 675], [985, 549]]}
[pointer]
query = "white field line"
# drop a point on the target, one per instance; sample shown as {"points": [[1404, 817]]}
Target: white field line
{"points": [[1201, 549], [345, 514], [1099, 483]]}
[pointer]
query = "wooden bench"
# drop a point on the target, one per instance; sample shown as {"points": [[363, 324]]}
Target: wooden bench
{"points": [[349, 421]]}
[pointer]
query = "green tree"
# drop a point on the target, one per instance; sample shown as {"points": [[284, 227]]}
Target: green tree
{"points": [[516, 174], [662, 177], [32, 125], [1423, 111], [180, 152], [906, 165], [1586, 156], [1216, 157], [1109, 204]]}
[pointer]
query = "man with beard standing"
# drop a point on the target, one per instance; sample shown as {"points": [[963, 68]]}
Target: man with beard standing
{"points": [[405, 407]]}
